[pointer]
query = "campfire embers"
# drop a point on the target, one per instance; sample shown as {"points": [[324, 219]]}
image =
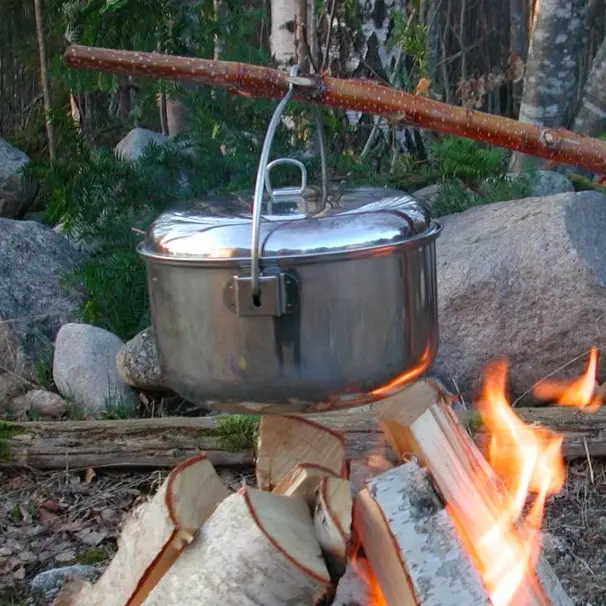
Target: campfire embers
{"points": [[439, 526]]}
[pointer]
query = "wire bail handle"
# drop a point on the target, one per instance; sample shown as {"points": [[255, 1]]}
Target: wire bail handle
{"points": [[263, 181]]}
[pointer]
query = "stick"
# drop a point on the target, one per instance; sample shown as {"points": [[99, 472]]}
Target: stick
{"points": [[558, 145], [412, 545], [287, 441], [257, 549], [154, 536], [467, 483]]}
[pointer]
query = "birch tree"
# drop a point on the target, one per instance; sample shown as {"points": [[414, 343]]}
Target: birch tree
{"points": [[591, 117], [551, 70], [282, 39]]}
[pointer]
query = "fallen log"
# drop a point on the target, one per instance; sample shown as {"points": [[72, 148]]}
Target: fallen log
{"points": [[154, 536], [412, 544], [256, 549], [558, 145], [166, 441]]}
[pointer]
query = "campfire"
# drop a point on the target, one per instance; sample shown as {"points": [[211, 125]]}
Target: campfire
{"points": [[432, 519]]}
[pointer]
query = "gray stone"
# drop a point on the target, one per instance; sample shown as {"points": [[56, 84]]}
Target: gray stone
{"points": [[50, 582], [547, 183], [44, 403], [524, 280], [428, 193], [15, 193], [84, 369], [136, 142], [34, 301], [137, 362], [11, 386]]}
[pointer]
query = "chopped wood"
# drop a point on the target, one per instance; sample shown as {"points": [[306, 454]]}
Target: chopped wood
{"points": [[332, 518], [256, 549], [464, 479], [166, 441], [352, 588], [303, 482], [287, 441], [558, 145], [412, 544], [154, 536]]}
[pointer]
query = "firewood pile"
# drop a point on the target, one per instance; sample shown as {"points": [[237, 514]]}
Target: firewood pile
{"points": [[322, 529]]}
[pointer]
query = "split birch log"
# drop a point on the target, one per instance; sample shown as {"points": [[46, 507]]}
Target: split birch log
{"points": [[332, 519], [352, 588], [287, 441], [154, 536], [257, 549], [558, 145], [467, 483], [303, 482], [412, 544]]}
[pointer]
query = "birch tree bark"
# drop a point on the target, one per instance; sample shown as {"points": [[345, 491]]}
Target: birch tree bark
{"points": [[591, 118], [282, 38], [551, 70]]}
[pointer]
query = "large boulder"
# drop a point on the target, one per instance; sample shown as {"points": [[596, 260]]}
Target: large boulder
{"points": [[34, 301], [525, 280], [15, 193], [84, 370]]}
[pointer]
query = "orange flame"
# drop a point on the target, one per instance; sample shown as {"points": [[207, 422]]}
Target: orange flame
{"points": [[530, 462], [580, 393]]}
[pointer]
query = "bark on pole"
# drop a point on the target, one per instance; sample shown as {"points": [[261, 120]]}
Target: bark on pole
{"points": [[558, 145]]}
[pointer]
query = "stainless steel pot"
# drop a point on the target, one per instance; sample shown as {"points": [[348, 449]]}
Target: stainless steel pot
{"points": [[309, 302]]}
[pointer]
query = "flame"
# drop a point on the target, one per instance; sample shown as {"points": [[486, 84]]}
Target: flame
{"points": [[361, 566], [580, 393], [529, 461]]}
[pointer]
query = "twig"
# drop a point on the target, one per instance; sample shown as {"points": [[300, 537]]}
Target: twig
{"points": [[591, 475], [331, 18]]}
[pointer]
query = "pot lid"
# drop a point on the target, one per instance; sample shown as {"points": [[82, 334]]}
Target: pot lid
{"points": [[220, 228]]}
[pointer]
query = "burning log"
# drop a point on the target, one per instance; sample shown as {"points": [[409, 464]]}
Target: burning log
{"points": [[484, 512], [154, 536], [256, 549], [558, 145], [285, 442], [412, 544]]}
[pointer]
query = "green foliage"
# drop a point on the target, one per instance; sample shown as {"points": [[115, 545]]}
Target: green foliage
{"points": [[7, 431], [237, 432]]}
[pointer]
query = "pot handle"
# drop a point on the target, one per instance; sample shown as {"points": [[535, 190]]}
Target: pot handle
{"points": [[262, 180]]}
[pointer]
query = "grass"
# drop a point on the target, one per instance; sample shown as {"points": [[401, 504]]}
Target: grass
{"points": [[237, 432], [7, 431]]}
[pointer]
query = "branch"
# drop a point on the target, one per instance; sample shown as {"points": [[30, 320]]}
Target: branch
{"points": [[558, 145]]}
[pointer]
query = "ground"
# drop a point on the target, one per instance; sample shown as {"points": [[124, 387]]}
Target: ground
{"points": [[55, 519]]}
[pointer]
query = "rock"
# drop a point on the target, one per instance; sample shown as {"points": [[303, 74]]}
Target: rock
{"points": [[49, 582], [44, 403], [84, 369], [15, 193], [428, 193], [547, 183], [137, 362], [135, 143], [34, 302], [11, 386], [525, 280]]}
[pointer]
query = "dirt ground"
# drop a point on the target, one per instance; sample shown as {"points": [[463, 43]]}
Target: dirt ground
{"points": [[49, 520]]}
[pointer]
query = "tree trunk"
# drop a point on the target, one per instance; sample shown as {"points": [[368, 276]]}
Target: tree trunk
{"points": [[50, 131], [518, 28], [591, 119], [551, 70], [220, 15], [283, 46]]}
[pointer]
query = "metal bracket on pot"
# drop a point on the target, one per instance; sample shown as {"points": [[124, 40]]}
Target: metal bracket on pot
{"points": [[280, 295], [275, 294]]}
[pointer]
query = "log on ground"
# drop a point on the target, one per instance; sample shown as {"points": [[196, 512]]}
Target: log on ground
{"points": [[166, 441]]}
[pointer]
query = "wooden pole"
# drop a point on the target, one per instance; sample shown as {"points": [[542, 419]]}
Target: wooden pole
{"points": [[558, 145]]}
